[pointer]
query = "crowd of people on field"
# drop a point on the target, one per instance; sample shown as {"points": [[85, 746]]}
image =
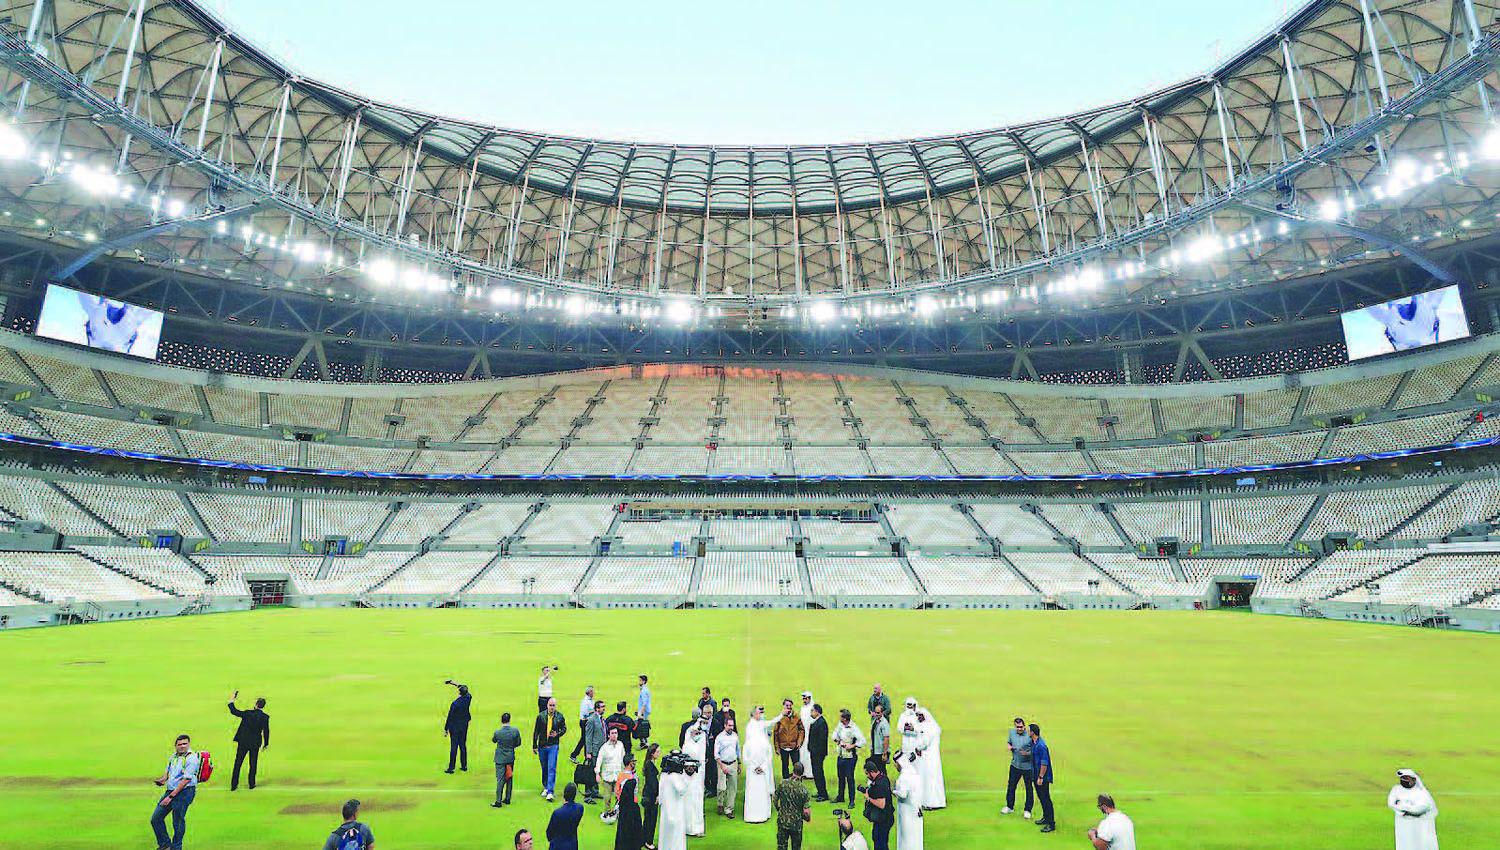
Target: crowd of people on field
{"points": [[654, 788]]}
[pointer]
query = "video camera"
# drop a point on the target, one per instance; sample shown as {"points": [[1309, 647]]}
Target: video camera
{"points": [[678, 762]]}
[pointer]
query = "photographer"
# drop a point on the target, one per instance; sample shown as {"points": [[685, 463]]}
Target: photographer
{"points": [[848, 838], [456, 726], [879, 810]]}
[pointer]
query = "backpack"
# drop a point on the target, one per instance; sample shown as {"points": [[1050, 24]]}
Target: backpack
{"points": [[348, 838], [643, 729], [205, 766]]}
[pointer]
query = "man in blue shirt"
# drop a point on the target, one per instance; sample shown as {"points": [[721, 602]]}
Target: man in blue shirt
{"points": [[456, 727], [181, 781], [643, 701], [562, 830], [1042, 775], [1020, 768]]}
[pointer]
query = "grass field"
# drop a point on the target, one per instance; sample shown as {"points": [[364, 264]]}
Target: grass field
{"points": [[1214, 730]]}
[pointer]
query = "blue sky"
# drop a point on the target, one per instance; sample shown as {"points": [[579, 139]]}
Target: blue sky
{"points": [[767, 72]]}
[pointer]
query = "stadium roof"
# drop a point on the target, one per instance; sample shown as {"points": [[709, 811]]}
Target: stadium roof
{"points": [[258, 175]]}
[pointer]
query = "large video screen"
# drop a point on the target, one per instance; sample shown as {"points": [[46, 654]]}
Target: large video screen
{"points": [[1418, 320], [84, 319]]}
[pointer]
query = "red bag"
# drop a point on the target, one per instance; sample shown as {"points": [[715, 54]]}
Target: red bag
{"points": [[205, 766]]}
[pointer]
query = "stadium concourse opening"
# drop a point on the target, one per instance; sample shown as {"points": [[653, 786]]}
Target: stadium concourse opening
{"points": [[905, 480]]}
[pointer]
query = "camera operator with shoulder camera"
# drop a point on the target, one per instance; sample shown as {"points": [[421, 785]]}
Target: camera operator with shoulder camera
{"points": [[678, 773]]}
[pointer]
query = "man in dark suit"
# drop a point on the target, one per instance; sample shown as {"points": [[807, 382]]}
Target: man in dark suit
{"points": [[562, 829], [817, 751], [456, 727], [253, 735]]}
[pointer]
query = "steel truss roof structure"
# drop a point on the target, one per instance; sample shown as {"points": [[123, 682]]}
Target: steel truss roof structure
{"points": [[1323, 108]]}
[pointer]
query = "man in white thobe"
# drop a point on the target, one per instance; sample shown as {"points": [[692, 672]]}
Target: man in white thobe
{"points": [[674, 810], [908, 794], [695, 745], [805, 712], [934, 790], [1416, 813], [758, 767]]}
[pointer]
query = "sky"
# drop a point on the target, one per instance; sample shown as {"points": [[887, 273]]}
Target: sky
{"points": [[762, 72]]}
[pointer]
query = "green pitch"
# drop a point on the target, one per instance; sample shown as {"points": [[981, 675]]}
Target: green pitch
{"points": [[1213, 730]]}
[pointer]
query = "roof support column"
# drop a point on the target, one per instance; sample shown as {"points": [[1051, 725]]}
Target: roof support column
{"points": [[613, 249], [515, 223], [135, 37], [1385, 94], [463, 207], [286, 97], [566, 232], [1156, 164], [208, 96], [1094, 180], [661, 226], [708, 204], [31, 29], [414, 162], [935, 225], [838, 212], [986, 226], [1475, 34], [799, 284], [351, 141], [1038, 206], [1224, 134], [1291, 78]]}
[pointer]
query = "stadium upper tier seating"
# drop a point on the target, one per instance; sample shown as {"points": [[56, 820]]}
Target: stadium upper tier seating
{"points": [[696, 420], [77, 541]]}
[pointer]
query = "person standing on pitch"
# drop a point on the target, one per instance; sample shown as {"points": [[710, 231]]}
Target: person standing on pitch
{"points": [[880, 736], [1020, 768], [727, 759], [878, 698], [590, 740], [1116, 832], [181, 781], [1415, 811], [650, 795], [879, 807], [252, 736], [789, 736], [698, 747], [607, 766], [456, 727], [676, 788], [758, 767], [847, 739], [628, 834], [546, 739], [817, 751], [934, 789], [351, 834], [621, 723], [908, 794], [1043, 776], [544, 688], [805, 715], [562, 829], [792, 810], [643, 699], [586, 705], [507, 739], [692, 721]]}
